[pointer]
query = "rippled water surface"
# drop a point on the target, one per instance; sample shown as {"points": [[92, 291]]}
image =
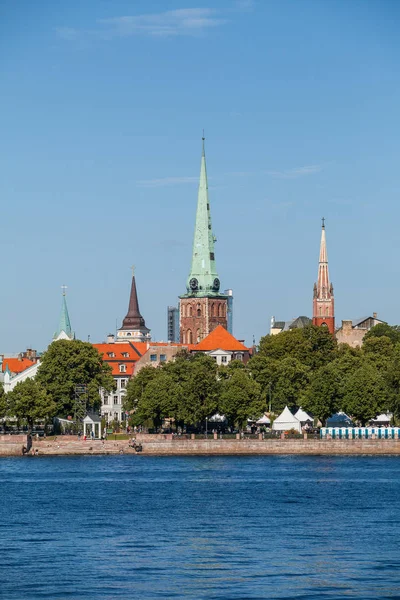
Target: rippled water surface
{"points": [[142, 527]]}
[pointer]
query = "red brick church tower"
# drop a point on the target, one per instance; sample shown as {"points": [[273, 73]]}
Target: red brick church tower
{"points": [[323, 302]]}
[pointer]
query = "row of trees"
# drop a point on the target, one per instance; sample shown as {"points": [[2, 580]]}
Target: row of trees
{"points": [[302, 367], [299, 367], [52, 393]]}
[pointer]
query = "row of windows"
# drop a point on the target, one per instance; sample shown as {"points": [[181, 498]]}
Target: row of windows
{"points": [[217, 310], [153, 357], [112, 354]]}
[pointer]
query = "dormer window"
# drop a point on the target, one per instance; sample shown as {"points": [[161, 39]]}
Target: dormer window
{"points": [[122, 368], [125, 354], [111, 354]]}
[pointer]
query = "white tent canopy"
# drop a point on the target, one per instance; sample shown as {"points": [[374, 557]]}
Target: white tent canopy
{"points": [[286, 421], [263, 421], [303, 417], [217, 418], [383, 418]]}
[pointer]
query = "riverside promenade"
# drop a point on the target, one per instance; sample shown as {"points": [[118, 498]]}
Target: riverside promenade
{"points": [[162, 445]]}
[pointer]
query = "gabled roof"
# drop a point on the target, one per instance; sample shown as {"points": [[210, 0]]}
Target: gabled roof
{"points": [[16, 365], [220, 339]]}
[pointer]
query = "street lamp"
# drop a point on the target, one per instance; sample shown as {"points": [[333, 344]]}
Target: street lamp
{"points": [[206, 427]]}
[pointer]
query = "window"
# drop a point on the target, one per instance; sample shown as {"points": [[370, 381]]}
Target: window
{"points": [[116, 416], [115, 399], [105, 400], [122, 368], [189, 338], [153, 357], [183, 310], [125, 354], [198, 310], [198, 336], [123, 384], [224, 358], [220, 310], [128, 334], [111, 354], [213, 310], [190, 310], [239, 356], [163, 357]]}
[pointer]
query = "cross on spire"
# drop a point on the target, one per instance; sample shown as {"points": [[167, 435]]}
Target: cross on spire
{"points": [[64, 290], [323, 222], [133, 270]]}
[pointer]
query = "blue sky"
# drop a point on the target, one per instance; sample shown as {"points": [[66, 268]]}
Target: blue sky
{"points": [[102, 108]]}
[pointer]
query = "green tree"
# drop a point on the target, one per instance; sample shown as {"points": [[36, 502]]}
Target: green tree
{"points": [[291, 380], [241, 398], [365, 394], [313, 346], [200, 389], [3, 402], [66, 364], [29, 402], [137, 386], [160, 400], [383, 329], [393, 381], [378, 350]]}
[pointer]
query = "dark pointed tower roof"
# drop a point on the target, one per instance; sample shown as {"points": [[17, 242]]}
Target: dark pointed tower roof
{"points": [[133, 319], [133, 325]]}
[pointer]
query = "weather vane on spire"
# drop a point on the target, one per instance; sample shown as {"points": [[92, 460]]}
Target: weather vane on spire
{"points": [[133, 270], [64, 290], [323, 221], [204, 137]]}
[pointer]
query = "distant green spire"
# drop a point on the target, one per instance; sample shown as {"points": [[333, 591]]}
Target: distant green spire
{"points": [[64, 326], [203, 279]]}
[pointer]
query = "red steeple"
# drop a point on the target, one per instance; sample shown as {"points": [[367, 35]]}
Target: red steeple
{"points": [[323, 302]]}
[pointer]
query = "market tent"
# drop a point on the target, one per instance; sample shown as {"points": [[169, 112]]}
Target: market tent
{"points": [[286, 421], [263, 421], [339, 419], [383, 419], [217, 418], [303, 417]]}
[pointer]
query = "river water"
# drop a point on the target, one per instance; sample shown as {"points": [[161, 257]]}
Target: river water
{"points": [[142, 527]]}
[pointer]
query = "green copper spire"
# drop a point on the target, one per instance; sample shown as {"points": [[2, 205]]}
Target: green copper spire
{"points": [[203, 279], [64, 330]]}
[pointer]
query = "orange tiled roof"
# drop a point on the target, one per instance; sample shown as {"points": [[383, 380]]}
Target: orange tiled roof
{"points": [[118, 350], [220, 339], [16, 365]]}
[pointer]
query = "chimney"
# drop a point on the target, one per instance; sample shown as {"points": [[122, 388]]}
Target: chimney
{"points": [[347, 325], [375, 315], [110, 338]]}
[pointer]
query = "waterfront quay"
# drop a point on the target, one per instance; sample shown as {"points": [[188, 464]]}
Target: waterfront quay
{"points": [[167, 446]]}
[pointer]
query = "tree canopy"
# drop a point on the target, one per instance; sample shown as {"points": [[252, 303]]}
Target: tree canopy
{"points": [[29, 402], [67, 364]]}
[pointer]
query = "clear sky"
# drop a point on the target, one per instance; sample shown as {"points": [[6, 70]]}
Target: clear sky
{"points": [[103, 103]]}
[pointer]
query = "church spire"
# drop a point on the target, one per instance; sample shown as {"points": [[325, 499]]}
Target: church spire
{"points": [[64, 331], [323, 302], [133, 326], [203, 279]]}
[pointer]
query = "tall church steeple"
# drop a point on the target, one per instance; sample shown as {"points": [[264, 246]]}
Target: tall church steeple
{"points": [[133, 327], [203, 307], [323, 301], [64, 331], [203, 278]]}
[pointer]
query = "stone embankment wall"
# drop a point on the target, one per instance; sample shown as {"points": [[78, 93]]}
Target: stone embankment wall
{"points": [[12, 445], [69, 445]]}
